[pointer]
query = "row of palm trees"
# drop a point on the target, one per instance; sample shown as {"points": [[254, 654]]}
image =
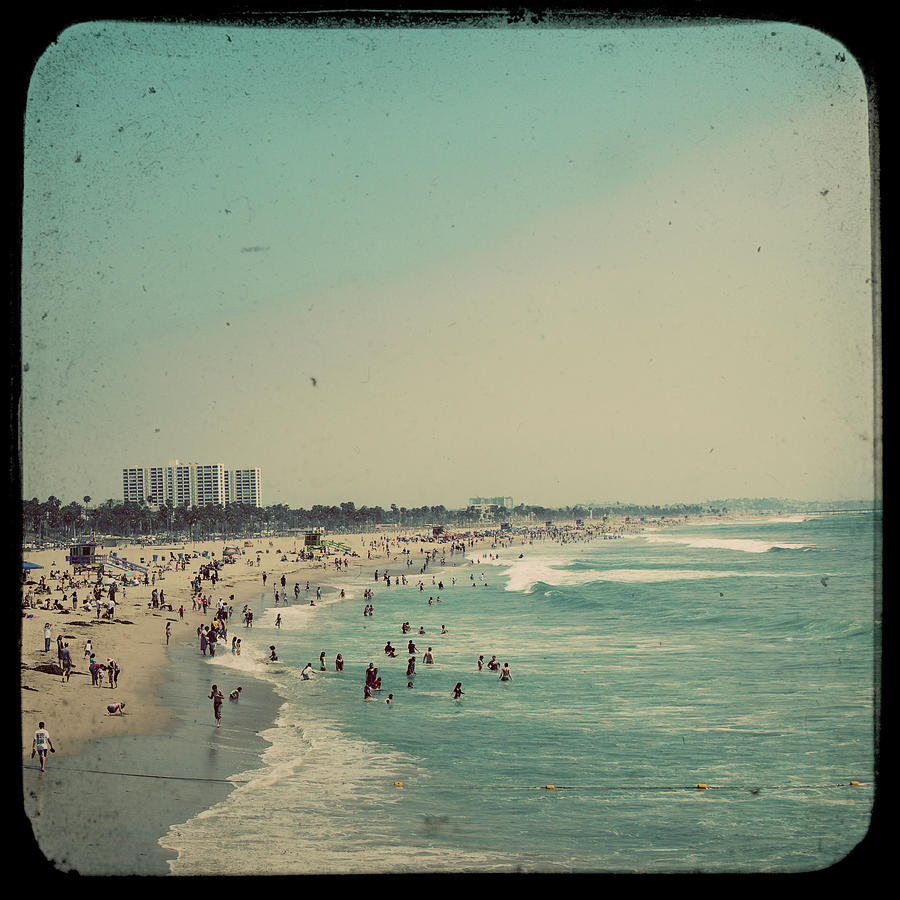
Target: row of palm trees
{"points": [[50, 520]]}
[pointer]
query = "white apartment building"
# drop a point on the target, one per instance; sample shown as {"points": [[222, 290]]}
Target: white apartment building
{"points": [[191, 484], [243, 486], [486, 506]]}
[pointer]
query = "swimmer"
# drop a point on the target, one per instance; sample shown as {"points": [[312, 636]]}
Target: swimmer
{"points": [[235, 695], [389, 698], [428, 656], [322, 661], [480, 663], [505, 674], [273, 656], [307, 671], [458, 691]]}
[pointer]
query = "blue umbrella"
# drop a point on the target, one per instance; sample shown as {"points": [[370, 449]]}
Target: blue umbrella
{"points": [[28, 565]]}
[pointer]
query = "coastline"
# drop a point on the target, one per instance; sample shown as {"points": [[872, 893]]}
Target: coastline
{"points": [[168, 735]]}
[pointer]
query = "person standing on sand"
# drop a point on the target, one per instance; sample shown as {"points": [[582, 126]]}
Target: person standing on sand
{"points": [[66, 661], [113, 668], [168, 632], [217, 697], [47, 636], [41, 744], [88, 649]]}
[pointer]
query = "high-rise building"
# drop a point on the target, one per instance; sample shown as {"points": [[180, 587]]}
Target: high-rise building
{"points": [[243, 486], [191, 484]]}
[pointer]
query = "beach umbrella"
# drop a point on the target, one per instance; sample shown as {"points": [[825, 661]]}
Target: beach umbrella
{"points": [[29, 565]]}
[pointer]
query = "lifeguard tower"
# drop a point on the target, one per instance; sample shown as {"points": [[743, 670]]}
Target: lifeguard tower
{"points": [[86, 556]]}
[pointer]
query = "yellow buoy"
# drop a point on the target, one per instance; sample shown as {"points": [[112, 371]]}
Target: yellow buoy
{"points": [[854, 782], [701, 786], [398, 784], [550, 787]]}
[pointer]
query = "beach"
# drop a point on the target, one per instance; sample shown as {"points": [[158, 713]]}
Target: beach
{"points": [[612, 644], [75, 711], [162, 683]]}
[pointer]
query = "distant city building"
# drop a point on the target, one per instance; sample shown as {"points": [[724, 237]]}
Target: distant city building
{"points": [[243, 486], [487, 506], [191, 484]]}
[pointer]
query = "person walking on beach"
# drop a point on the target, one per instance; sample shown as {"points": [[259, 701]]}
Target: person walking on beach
{"points": [[41, 744], [66, 662], [217, 697], [47, 636], [88, 649]]}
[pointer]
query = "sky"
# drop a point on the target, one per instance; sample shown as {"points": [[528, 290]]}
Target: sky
{"points": [[417, 265]]}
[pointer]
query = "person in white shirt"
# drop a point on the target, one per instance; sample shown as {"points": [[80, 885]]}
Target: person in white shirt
{"points": [[41, 744]]}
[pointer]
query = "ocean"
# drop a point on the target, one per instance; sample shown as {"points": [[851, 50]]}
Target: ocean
{"points": [[688, 699]]}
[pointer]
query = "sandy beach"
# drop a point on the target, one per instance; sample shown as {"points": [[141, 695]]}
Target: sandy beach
{"points": [[74, 711], [161, 682]]}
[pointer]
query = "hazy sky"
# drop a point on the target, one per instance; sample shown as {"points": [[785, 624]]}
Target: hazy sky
{"points": [[417, 265]]}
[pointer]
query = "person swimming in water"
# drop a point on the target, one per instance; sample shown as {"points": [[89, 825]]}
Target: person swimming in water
{"points": [[505, 674]]}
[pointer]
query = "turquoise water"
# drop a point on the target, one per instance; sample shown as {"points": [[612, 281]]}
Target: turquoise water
{"points": [[738, 655]]}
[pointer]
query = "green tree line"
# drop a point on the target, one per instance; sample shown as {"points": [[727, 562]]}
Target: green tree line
{"points": [[50, 520]]}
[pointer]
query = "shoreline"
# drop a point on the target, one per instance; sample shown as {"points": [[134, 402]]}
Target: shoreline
{"points": [[168, 713]]}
